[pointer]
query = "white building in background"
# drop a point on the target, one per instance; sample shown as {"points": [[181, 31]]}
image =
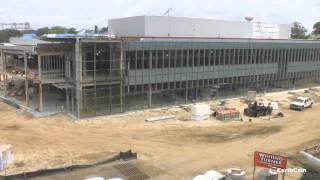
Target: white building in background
{"points": [[164, 26], [270, 31]]}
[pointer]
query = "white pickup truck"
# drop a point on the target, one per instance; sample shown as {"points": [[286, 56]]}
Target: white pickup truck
{"points": [[301, 103]]}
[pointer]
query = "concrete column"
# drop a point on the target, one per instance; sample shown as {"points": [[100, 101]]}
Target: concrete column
{"points": [[149, 85], [94, 79], [39, 67], [122, 60], [78, 61], [149, 95], [67, 100], [40, 98], [6, 75], [186, 93], [5, 83], [121, 97], [26, 78], [1, 65], [40, 84], [72, 103], [2, 75]]}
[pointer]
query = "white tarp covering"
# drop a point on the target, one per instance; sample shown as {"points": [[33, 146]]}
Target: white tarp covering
{"points": [[274, 105], [200, 111], [210, 175], [214, 175], [201, 177], [95, 178]]}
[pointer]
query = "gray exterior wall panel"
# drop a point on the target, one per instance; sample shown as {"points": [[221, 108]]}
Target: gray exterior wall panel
{"points": [[196, 73], [133, 26], [169, 26], [304, 66]]}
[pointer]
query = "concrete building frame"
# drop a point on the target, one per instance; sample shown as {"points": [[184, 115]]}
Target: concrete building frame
{"points": [[94, 76]]}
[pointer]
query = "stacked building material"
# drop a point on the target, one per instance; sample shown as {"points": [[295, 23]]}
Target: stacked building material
{"points": [[267, 174], [235, 174], [227, 114], [161, 118], [251, 96], [200, 112], [5, 156]]}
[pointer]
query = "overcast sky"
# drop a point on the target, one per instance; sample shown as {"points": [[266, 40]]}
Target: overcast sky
{"points": [[87, 13]]}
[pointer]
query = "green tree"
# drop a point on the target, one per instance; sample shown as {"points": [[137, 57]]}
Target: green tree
{"points": [[103, 30], [42, 31], [58, 30], [6, 34], [298, 31], [316, 28], [72, 30]]}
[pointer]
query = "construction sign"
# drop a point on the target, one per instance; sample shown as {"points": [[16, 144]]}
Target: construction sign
{"points": [[269, 160]]}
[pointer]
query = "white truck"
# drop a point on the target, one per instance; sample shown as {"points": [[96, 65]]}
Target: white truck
{"points": [[301, 103]]}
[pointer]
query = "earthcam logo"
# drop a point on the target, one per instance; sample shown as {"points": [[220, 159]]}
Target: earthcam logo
{"points": [[289, 170]]}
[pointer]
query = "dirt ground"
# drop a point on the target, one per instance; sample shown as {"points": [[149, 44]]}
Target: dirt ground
{"points": [[173, 149]]}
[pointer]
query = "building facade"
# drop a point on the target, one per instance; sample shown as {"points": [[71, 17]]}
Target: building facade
{"points": [[93, 76], [170, 26]]}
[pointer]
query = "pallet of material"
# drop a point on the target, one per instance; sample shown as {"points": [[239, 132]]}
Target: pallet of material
{"points": [[161, 118], [227, 114]]}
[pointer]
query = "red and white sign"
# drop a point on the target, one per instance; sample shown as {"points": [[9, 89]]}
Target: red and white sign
{"points": [[269, 160]]}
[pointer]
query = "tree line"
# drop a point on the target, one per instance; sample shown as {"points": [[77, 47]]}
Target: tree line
{"points": [[7, 33], [298, 31]]}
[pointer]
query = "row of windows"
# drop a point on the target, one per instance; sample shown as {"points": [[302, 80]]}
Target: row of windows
{"points": [[100, 51], [205, 57], [217, 81], [198, 83], [109, 95], [54, 62], [100, 65]]}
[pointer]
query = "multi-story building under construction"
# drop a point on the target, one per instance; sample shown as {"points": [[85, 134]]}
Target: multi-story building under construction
{"points": [[88, 76]]}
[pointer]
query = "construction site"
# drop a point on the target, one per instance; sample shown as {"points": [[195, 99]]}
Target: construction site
{"points": [[184, 102]]}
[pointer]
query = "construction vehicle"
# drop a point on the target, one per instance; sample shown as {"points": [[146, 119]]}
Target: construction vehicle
{"points": [[255, 110]]}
